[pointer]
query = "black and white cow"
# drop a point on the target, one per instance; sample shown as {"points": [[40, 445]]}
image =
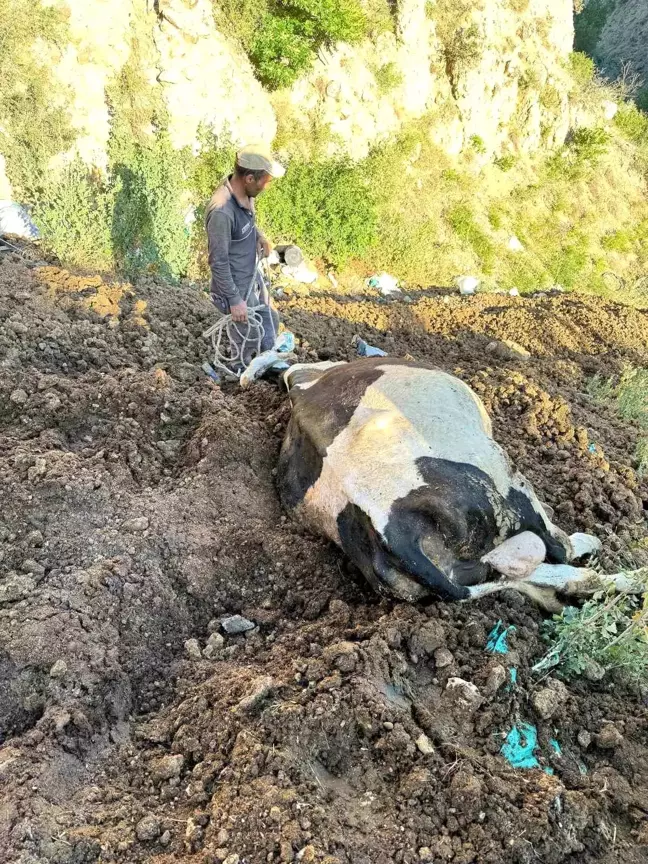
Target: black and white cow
{"points": [[395, 462]]}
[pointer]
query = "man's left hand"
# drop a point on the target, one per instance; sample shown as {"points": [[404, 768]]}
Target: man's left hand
{"points": [[266, 247]]}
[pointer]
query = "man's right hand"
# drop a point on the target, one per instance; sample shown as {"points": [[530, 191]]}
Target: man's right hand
{"points": [[238, 311]]}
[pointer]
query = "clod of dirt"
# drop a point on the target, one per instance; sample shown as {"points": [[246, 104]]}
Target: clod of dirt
{"points": [[214, 644], [261, 689], [464, 694], [609, 737], [192, 647], [148, 828], [167, 768], [496, 678], [508, 350], [584, 739], [443, 658], [550, 698], [424, 744]]}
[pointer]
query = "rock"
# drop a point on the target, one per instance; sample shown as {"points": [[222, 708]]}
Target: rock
{"points": [[59, 669], [506, 349], [496, 678], [424, 744], [138, 523], [307, 855], [193, 649], [443, 658], [18, 397], [33, 567], [609, 737], [464, 693], [550, 698], [236, 624], [518, 556], [427, 638], [147, 828], [167, 767], [214, 644], [261, 689], [232, 859], [425, 854], [584, 739], [35, 538], [165, 839], [16, 587]]}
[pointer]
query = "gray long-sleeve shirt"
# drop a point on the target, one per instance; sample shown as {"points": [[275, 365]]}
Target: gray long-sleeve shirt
{"points": [[232, 240]]}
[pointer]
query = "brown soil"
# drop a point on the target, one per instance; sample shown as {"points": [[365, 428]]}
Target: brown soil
{"points": [[329, 732]]}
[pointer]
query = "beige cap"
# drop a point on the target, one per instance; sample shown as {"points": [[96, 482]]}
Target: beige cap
{"points": [[257, 158]]}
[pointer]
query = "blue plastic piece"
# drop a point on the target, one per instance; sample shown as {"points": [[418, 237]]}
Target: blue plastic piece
{"points": [[497, 643], [592, 448], [518, 749], [208, 370], [285, 342], [556, 747], [364, 349]]}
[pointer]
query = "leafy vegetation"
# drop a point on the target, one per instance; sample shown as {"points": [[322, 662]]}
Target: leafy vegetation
{"points": [[608, 633], [629, 395], [34, 127], [282, 37]]}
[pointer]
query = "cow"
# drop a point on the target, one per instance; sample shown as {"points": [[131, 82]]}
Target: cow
{"points": [[394, 461]]}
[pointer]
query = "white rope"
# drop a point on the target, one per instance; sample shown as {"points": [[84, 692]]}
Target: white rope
{"points": [[225, 358]]}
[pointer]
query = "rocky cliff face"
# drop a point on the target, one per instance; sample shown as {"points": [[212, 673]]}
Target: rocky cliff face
{"points": [[491, 74], [624, 39]]}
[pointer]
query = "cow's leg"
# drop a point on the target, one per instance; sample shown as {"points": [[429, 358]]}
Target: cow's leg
{"points": [[548, 580]]}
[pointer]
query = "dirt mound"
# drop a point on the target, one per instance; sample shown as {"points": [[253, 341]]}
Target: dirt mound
{"points": [[139, 511]]}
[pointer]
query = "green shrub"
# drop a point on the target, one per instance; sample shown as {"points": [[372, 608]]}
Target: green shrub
{"points": [[632, 123], [74, 216], [388, 78], [581, 67], [618, 241], [550, 99], [326, 206], [477, 144], [149, 230], [289, 34], [506, 162], [642, 99], [606, 634], [32, 128], [462, 221]]}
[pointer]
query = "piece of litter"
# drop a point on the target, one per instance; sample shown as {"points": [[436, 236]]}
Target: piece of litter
{"points": [[285, 341], [592, 448], [555, 746], [364, 349], [15, 220], [513, 676], [237, 624], [497, 643], [384, 283], [208, 370], [518, 749], [301, 273], [467, 284], [332, 279], [514, 244], [514, 292]]}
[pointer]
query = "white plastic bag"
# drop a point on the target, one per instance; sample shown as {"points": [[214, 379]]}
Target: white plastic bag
{"points": [[15, 220]]}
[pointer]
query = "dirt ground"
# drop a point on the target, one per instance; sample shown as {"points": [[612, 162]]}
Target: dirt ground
{"points": [[138, 509]]}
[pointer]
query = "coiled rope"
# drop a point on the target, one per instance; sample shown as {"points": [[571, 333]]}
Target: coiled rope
{"points": [[234, 354]]}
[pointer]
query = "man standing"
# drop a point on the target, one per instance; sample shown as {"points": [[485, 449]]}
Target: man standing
{"points": [[235, 244]]}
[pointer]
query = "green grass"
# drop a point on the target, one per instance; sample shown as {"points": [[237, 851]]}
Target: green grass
{"points": [[629, 396], [388, 78]]}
